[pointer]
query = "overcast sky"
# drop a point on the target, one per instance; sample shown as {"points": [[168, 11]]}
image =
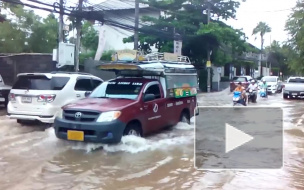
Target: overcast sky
{"points": [[273, 12]]}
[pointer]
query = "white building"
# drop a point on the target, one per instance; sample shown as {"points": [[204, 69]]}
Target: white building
{"points": [[120, 11]]}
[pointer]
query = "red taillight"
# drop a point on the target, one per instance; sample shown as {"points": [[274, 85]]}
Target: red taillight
{"points": [[46, 98], [12, 97]]}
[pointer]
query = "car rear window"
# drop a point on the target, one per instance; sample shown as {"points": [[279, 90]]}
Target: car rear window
{"points": [[40, 82], [239, 79], [296, 80]]}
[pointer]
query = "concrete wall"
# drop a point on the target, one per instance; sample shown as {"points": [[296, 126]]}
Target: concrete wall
{"points": [[90, 67], [11, 65], [223, 86]]}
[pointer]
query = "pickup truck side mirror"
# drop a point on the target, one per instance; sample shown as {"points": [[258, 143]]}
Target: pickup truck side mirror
{"points": [[149, 97], [87, 93]]}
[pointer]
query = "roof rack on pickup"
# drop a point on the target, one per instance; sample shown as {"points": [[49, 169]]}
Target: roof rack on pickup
{"points": [[167, 57], [69, 72]]}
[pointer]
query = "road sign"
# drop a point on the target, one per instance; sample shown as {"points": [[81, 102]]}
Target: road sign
{"points": [[208, 64], [235, 138], [219, 69]]}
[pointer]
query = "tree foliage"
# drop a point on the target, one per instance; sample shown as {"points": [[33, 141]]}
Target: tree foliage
{"points": [[189, 20], [27, 32], [295, 45]]}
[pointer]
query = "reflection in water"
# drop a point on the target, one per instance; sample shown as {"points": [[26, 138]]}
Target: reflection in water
{"points": [[35, 159]]}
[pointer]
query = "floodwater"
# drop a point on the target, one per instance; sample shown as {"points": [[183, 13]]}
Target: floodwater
{"points": [[33, 158]]}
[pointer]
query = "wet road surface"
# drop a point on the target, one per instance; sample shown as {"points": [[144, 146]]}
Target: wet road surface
{"points": [[33, 158]]}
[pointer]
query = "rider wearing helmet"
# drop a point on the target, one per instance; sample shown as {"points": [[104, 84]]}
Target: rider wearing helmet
{"points": [[264, 86], [253, 86], [241, 89]]}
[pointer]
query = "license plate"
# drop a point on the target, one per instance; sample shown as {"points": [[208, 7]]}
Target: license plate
{"points": [[2, 99], [26, 100], [75, 135], [294, 94]]}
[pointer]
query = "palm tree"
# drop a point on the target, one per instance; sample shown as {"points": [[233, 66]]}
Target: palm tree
{"points": [[262, 28]]}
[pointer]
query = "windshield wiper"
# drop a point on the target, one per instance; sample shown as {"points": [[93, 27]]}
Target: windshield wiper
{"points": [[101, 97]]}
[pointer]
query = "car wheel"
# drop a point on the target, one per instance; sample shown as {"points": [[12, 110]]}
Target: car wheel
{"points": [[184, 117], [133, 129], [5, 102]]}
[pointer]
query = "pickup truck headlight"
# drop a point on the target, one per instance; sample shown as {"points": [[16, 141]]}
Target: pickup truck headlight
{"points": [[108, 116], [60, 114]]}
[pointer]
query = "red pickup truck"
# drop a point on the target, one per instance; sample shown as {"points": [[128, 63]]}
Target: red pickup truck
{"points": [[123, 106]]}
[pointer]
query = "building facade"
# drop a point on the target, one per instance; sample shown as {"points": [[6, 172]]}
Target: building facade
{"points": [[117, 11]]}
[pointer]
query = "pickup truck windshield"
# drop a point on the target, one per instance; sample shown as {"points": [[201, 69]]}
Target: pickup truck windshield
{"points": [[297, 80], [117, 89]]}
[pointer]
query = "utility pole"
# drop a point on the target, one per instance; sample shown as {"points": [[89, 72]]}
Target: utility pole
{"points": [[60, 28], [136, 24], [78, 35], [60, 32], [208, 55]]}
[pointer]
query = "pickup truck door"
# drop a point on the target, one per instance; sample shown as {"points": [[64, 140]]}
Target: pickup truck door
{"points": [[153, 110]]}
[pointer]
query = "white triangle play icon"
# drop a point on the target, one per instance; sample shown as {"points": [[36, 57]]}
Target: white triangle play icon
{"points": [[235, 138]]}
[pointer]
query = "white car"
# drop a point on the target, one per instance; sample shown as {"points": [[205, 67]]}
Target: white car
{"points": [[273, 84], [294, 88], [40, 96]]}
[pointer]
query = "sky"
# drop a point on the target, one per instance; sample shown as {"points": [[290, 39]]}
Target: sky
{"points": [[273, 12], [249, 14]]}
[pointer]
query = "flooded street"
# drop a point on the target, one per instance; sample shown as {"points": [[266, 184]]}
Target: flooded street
{"points": [[33, 158]]}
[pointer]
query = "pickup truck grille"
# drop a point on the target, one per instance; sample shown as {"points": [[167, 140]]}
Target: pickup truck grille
{"points": [[85, 116]]}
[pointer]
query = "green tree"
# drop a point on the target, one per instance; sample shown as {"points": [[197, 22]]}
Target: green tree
{"points": [[186, 18], [44, 35], [295, 45], [262, 28], [89, 37]]}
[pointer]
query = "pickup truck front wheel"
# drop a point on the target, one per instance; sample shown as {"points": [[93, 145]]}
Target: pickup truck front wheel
{"points": [[185, 117], [285, 96], [133, 129]]}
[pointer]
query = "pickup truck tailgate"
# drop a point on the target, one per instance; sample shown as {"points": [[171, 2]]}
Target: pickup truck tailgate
{"points": [[294, 87]]}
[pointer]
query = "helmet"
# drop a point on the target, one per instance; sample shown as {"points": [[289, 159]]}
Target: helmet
{"points": [[240, 83], [263, 80], [252, 80]]}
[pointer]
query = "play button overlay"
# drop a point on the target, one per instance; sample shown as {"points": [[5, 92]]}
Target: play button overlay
{"points": [[239, 138], [235, 138]]}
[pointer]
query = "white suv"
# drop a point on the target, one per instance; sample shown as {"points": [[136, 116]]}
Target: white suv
{"points": [[40, 96]]}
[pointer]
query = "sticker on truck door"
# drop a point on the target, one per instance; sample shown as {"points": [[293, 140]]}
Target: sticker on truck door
{"points": [[155, 109]]}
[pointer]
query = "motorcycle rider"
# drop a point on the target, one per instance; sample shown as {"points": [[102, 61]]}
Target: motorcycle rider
{"points": [[241, 89], [264, 86], [254, 87]]}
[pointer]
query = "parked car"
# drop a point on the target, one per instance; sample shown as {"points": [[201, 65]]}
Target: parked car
{"points": [[4, 91], [294, 88], [274, 85], [40, 96], [245, 80]]}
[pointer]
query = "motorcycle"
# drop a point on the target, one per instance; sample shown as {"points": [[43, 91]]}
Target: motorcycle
{"points": [[263, 93], [237, 99], [252, 95]]}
